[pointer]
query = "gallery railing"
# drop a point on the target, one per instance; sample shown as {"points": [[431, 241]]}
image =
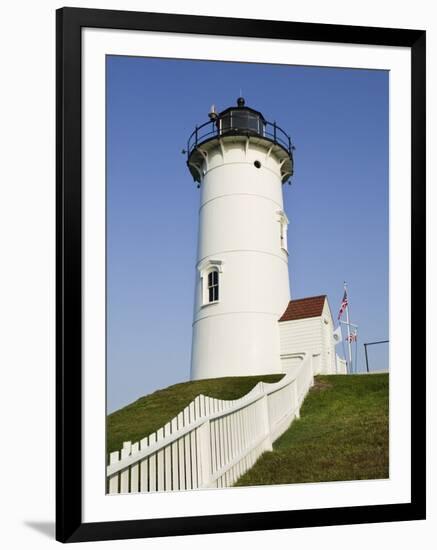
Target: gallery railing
{"points": [[256, 127]]}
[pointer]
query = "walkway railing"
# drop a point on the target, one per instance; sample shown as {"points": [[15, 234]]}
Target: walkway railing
{"points": [[212, 442], [210, 130]]}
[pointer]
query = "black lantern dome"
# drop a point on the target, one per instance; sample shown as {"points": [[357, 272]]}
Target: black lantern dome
{"points": [[238, 123]]}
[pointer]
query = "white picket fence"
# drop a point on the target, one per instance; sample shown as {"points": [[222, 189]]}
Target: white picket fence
{"points": [[212, 442]]}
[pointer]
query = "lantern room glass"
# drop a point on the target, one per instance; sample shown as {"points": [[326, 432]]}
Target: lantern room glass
{"points": [[241, 120]]}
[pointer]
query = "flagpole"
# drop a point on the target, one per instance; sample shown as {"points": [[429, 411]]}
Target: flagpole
{"points": [[348, 330]]}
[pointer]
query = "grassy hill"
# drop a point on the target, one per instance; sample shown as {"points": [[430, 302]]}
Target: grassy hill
{"points": [[151, 412], [342, 433]]}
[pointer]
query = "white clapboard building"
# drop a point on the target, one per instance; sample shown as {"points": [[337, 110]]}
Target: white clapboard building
{"points": [[306, 329], [244, 322]]}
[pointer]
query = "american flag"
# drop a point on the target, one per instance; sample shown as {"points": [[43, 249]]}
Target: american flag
{"points": [[343, 305]]}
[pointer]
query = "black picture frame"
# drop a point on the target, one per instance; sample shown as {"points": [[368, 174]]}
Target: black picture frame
{"points": [[69, 525]]}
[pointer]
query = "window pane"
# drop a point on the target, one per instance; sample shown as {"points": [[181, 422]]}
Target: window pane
{"points": [[239, 120], [253, 122], [226, 123], [213, 283]]}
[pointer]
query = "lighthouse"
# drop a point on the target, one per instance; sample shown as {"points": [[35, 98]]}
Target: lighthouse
{"points": [[240, 162]]}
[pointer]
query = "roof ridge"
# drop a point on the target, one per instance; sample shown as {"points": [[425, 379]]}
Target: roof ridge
{"points": [[309, 297]]}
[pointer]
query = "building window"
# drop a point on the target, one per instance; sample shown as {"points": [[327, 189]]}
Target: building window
{"points": [[210, 272], [283, 228], [213, 286]]}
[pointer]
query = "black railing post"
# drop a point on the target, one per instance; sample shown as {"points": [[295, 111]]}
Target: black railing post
{"points": [[196, 136], [372, 344], [274, 131], [367, 359]]}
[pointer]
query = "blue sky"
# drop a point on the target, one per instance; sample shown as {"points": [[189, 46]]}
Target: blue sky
{"points": [[337, 203]]}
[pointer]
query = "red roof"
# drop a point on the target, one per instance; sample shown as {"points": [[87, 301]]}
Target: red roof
{"points": [[303, 308]]}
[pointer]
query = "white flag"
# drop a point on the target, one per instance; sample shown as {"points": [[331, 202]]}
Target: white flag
{"points": [[337, 335]]}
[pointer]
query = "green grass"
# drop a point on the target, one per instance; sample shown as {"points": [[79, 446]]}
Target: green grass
{"points": [[149, 413], [342, 435]]}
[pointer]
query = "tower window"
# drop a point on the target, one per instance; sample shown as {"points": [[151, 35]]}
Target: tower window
{"points": [[283, 228], [257, 164], [213, 286], [210, 271]]}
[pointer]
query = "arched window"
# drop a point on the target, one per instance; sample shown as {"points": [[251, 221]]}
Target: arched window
{"points": [[210, 278], [213, 286]]}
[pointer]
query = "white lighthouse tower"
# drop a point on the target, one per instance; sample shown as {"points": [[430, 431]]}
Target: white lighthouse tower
{"points": [[240, 161]]}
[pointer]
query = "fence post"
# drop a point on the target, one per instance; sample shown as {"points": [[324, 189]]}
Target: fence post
{"points": [[124, 474], [266, 421], [114, 480], [296, 397], [204, 453], [135, 470]]}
